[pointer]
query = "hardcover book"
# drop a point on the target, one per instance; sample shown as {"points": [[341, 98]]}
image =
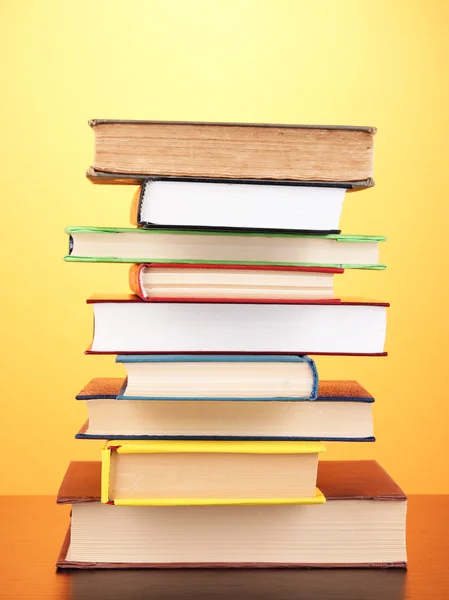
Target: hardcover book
{"points": [[128, 325], [236, 204], [341, 412], [194, 473], [362, 524], [236, 283], [133, 150], [218, 377], [128, 245]]}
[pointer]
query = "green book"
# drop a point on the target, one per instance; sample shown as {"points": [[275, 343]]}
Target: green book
{"points": [[213, 247]]}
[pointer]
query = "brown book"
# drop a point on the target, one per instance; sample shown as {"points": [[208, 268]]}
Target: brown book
{"points": [[362, 524], [342, 410], [129, 151]]}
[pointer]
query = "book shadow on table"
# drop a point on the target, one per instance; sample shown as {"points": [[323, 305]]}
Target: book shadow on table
{"points": [[236, 584]]}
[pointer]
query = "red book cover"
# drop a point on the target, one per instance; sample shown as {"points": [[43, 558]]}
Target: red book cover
{"points": [[132, 299]]}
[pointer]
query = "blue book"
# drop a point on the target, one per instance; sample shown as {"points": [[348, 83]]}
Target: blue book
{"points": [[342, 411], [218, 377]]}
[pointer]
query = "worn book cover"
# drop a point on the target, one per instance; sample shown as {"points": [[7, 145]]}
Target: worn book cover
{"points": [[128, 150]]}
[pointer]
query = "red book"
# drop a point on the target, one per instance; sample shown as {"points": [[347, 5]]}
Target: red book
{"points": [[128, 325], [183, 282]]}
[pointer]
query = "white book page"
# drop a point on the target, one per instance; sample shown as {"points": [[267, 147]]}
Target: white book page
{"points": [[178, 327], [242, 205], [179, 247]]}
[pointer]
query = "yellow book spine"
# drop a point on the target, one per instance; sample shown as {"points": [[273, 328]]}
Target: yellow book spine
{"points": [[105, 471], [317, 499], [201, 446]]}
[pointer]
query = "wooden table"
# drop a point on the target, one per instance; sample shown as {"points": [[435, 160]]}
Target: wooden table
{"points": [[32, 529]]}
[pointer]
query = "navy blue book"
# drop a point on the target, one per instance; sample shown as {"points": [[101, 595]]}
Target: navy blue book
{"points": [[342, 411]]}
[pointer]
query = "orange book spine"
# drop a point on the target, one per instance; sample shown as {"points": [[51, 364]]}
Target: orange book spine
{"points": [[135, 205], [134, 281]]}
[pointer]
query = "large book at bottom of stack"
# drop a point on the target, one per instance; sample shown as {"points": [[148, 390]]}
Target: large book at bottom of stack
{"points": [[362, 524]]}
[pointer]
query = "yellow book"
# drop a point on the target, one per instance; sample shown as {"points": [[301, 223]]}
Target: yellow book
{"points": [[198, 473]]}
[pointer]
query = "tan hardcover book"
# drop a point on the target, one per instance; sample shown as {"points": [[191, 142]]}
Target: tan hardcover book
{"points": [[129, 151], [362, 524], [233, 283], [130, 408]]}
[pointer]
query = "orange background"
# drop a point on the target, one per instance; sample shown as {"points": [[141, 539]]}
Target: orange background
{"points": [[377, 63]]}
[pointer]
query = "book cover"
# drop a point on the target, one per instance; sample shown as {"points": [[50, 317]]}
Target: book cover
{"points": [[254, 194], [218, 358], [233, 150], [103, 177], [111, 231], [328, 391], [203, 447], [188, 310], [136, 271]]}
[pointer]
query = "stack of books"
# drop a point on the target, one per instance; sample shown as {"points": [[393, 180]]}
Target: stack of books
{"points": [[213, 438]]}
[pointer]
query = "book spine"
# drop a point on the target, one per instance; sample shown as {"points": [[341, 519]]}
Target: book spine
{"points": [[105, 472], [312, 365], [135, 281], [136, 205], [318, 498], [211, 357], [202, 446]]}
